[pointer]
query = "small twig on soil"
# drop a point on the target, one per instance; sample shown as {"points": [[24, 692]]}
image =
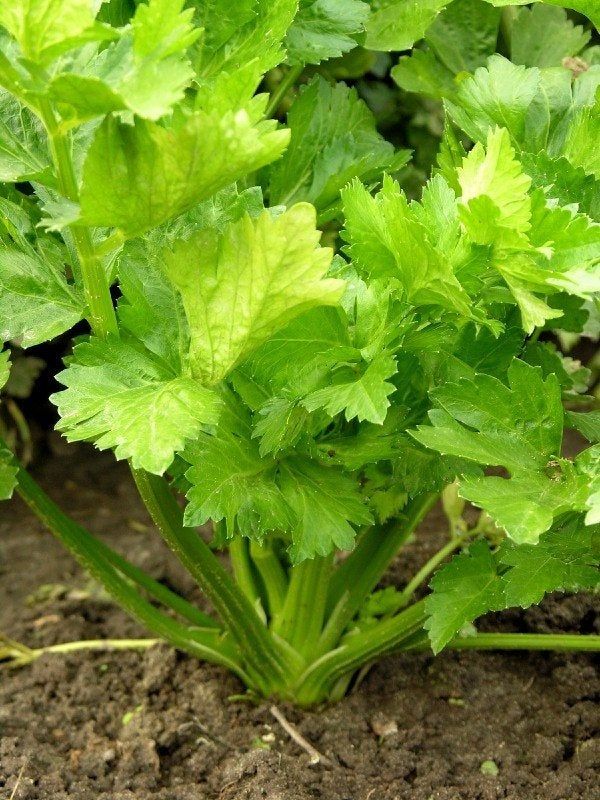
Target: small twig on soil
{"points": [[16, 786], [294, 733]]}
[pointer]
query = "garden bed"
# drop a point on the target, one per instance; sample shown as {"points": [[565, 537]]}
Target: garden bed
{"points": [[134, 726]]}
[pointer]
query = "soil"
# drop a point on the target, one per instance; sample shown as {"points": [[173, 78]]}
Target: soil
{"points": [[134, 726]]}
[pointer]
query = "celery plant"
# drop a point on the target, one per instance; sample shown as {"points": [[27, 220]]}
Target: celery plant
{"points": [[308, 401]]}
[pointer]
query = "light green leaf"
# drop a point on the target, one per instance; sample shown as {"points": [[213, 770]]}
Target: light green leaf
{"points": [[530, 407], [325, 502], [499, 94], [23, 151], [295, 359], [121, 396], [150, 307], [4, 367], [518, 427], [138, 176], [89, 96], [8, 473], [463, 590], [230, 481], [398, 24], [324, 29], [464, 34], [570, 248], [487, 352], [163, 27], [494, 173], [591, 8], [364, 397], [579, 146], [565, 559], [539, 247], [241, 287], [563, 182], [588, 466], [422, 73], [280, 424], [333, 139], [238, 33], [587, 423], [542, 36], [312, 504], [387, 239], [370, 444], [561, 253], [146, 71], [217, 212], [540, 108], [36, 303], [523, 276], [46, 28], [571, 240], [526, 506]]}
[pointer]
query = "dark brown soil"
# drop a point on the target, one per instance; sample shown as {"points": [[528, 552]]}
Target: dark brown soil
{"points": [[132, 726]]}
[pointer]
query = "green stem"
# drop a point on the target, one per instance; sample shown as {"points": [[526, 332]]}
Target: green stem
{"points": [[301, 620], [535, 336], [267, 659], [357, 650], [430, 566], [356, 577], [102, 645], [564, 642], [95, 285], [22, 429], [155, 589], [205, 644], [272, 574], [286, 83], [243, 571], [507, 20], [330, 212], [110, 244]]}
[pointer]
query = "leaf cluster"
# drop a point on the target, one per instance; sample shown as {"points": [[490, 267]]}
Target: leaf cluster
{"points": [[300, 343]]}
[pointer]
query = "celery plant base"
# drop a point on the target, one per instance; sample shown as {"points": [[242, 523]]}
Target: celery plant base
{"points": [[293, 654]]}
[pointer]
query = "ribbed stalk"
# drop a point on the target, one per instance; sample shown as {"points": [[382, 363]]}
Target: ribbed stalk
{"points": [[206, 644], [155, 589], [268, 660], [102, 316], [301, 620], [243, 570], [357, 650], [356, 577], [272, 574], [563, 642]]}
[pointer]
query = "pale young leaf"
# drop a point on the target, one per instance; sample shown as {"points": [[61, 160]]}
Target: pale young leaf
{"points": [[238, 288], [46, 28]]}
